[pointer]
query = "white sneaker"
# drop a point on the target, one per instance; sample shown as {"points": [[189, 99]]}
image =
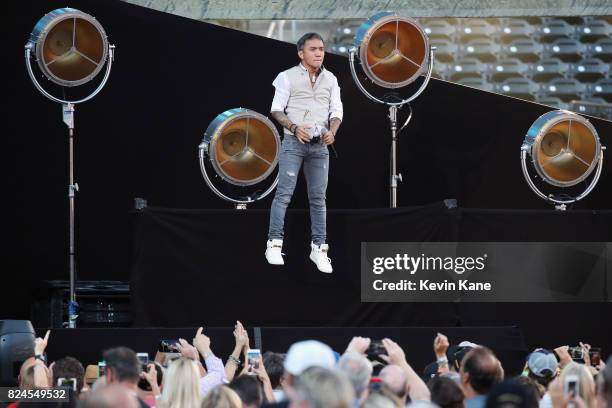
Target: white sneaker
{"points": [[273, 252], [318, 255]]}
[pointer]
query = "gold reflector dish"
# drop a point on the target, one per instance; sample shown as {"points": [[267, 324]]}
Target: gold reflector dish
{"points": [[70, 46], [393, 49], [564, 148], [242, 146]]}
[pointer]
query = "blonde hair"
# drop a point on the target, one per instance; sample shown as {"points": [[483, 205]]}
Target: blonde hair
{"points": [[221, 397], [181, 385], [585, 379]]}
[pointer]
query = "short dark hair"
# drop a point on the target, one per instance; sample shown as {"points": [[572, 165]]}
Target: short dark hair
{"points": [[532, 383], [273, 363], [123, 363], [544, 380], [249, 389], [69, 367], [483, 368], [446, 393], [308, 36], [512, 393], [144, 385]]}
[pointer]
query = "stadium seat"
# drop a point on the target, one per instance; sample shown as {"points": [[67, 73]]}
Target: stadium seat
{"points": [[440, 29], [484, 49], [556, 28], [518, 87], [525, 49], [594, 30], [466, 67], [345, 33], [475, 28], [564, 88], [515, 27], [567, 49], [547, 69], [506, 68], [589, 70], [601, 49], [446, 50], [595, 107], [600, 89]]}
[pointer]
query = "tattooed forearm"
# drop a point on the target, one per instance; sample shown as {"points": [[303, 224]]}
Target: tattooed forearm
{"points": [[282, 119], [334, 124]]}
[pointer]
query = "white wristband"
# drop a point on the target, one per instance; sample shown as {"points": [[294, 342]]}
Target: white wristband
{"points": [[442, 361]]}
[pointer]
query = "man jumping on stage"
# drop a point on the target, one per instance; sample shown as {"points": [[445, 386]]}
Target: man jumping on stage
{"points": [[307, 104]]}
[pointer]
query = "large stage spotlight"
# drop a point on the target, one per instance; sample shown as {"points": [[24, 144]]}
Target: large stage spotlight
{"points": [[242, 146], [394, 52], [564, 149], [71, 48]]}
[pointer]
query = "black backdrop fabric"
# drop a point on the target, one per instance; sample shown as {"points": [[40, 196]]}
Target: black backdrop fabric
{"points": [[139, 138], [213, 259], [510, 346]]}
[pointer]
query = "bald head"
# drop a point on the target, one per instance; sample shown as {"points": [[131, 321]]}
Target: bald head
{"points": [[481, 370], [394, 377]]}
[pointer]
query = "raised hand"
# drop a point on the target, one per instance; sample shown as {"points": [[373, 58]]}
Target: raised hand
{"points": [[440, 345], [187, 350], [395, 354], [359, 344], [260, 370], [202, 342], [150, 375], [586, 356], [564, 357], [40, 344], [241, 336]]}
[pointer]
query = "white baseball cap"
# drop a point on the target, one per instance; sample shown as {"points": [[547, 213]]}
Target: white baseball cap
{"points": [[308, 353]]}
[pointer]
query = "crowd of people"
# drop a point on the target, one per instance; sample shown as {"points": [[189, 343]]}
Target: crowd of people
{"points": [[369, 374]]}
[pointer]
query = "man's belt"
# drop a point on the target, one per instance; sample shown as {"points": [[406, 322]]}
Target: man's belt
{"points": [[315, 140]]}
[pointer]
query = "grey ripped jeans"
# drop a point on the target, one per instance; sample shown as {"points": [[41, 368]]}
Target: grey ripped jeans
{"points": [[315, 158]]}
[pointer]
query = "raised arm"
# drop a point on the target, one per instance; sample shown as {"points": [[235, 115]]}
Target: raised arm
{"points": [[395, 355], [214, 365], [242, 340]]}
